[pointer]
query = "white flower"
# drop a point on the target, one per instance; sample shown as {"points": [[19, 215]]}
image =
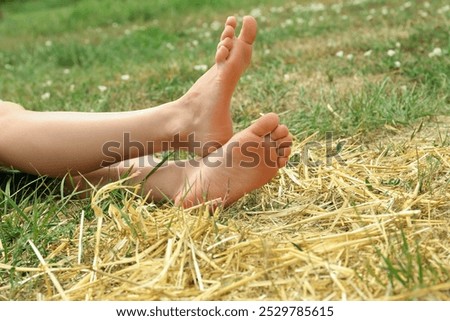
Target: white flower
{"points": [[397, 44], [215, 25], [349, 57], [66, 71], [423, 14], [48, 83], [367, 53], [170, 46], [45, 96], [286, 77], [256, 12], [384, 11], [48, 43], [397, 64], [102, 88], [300, 21], [340, 54], [391, 52], [267, 51], [72, 87], [444, 9], [426, 4], [194, 43], [435, 52], [200, 67], [125, 77], [369, 17]]}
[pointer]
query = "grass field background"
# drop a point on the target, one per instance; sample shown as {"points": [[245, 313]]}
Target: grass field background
{"points": [[374, 74]]}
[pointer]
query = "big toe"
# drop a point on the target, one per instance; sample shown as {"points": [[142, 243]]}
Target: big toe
{"points": [[249, 29], [265, 125]]}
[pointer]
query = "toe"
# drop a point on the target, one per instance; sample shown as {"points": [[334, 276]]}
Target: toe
{"points": [[265, 125], [284, 152], [228, 32], [222, 54], [280, 132], [231, 21], [227, 42], [249, 29], [282, 161]]}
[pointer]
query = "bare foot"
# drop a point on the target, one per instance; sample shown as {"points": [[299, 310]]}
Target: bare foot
{"points": [[207, 103], [249, 160]]}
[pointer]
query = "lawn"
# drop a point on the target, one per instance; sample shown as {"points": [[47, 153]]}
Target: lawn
{"points": [[361, 212]]}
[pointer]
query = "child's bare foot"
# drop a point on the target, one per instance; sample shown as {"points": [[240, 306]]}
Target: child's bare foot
{"points": [[207, 103], [249, 160]]}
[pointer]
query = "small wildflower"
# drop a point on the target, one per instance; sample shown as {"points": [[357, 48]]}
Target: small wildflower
{"points": [[367, 53], [344, 17], [426, 4], [369, 17], [349, 57], [286, 77], [256, 12], [200, 67], [267, 51], [102, 88], [407, 4], [9, 67], [125, 77], [435, 52], [391, 52], [397, 64], [397, 44], [195, 43], [72, 87], [423, 14], [276, 9], [45, 96], [215, 25], [127, 32], [444, 9], [300, 21], [384, 11], [340, 54], [170, 46], [66, 71], [48, 83], [48, 43]]}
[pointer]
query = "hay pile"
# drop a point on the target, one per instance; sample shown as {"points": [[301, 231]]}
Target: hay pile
{"points": [[376, 227]]}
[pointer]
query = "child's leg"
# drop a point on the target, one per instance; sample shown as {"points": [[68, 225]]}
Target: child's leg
{"points": [[249, 160], [54, 143]]}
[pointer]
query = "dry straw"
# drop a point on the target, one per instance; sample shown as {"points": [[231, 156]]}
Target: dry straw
{"points": [[374, 228]]}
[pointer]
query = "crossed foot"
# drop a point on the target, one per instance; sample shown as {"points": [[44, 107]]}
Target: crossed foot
{"points": [[209, 99], [236, 164]]}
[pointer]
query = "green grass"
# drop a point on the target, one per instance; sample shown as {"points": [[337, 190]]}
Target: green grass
{"points": [[69, 48]]}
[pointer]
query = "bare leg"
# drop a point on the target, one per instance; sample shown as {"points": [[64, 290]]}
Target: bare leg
{"points": [[249, 160], [55, 143]]}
